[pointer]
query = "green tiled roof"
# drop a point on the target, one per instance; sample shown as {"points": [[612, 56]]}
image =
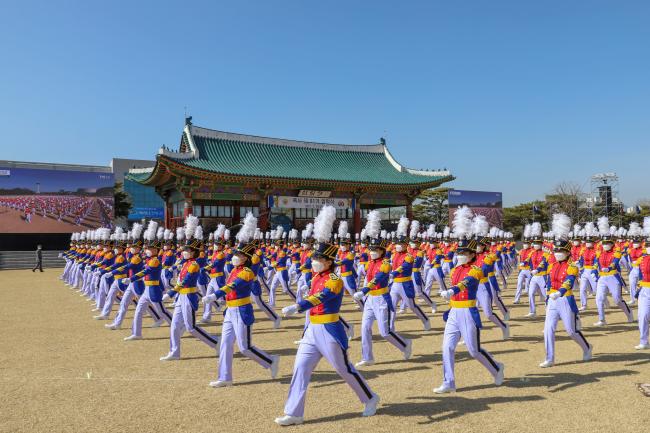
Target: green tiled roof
{"points": [[138, 177], [245, 155]]}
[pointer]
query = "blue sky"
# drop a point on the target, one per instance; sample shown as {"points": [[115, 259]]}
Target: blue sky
{"points": [[512, 96]]}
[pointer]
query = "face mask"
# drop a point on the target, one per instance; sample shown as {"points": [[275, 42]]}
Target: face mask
{"points": [[105, 249], [462, 259], [537, 247], [399, 248], [165, 247], [526, 246], [480, 248], [576, 243], [607, 247], [560, 257], [493, 243], [148, 253], [116, 251], [647, 250], [343, 248], [589, 245], [412, 245], [236, 261], [374, 255], [636, 245], [317, 266], [186, 255], [132, 250]]}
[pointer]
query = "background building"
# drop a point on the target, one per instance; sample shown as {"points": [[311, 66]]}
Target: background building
{"points": [[146, 203], [219, 176]]}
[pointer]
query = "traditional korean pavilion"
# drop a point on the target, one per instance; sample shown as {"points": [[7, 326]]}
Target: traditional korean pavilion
{"points": [[219, 176]]}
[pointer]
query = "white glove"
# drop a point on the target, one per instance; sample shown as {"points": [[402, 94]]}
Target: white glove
{"points": [[209, 298], [555, 295], [105, 276], [534, 272], [165, 297], [126, 281], [605, 270], [448, 293], [358, 295], [290, 310]]}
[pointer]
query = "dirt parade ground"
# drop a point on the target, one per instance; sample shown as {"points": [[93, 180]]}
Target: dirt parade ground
{"points": [[62, 371]]}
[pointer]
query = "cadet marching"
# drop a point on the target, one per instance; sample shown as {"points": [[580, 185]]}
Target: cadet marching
{"points": [[172, 277]]}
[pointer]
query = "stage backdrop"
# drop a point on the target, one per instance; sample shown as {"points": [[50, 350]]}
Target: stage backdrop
{"points": [[40, 200], [485, 203]]}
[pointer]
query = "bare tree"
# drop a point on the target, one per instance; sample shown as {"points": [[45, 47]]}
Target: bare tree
{"points": [[566, 198]]}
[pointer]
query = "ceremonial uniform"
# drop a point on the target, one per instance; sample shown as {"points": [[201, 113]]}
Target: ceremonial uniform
{"points": [[537, 285], [187, 303], [150, 296], [402, 285], [237, 323], [462, 320], [589, 274], [561, 304], [524, 277], [379, 306], [609, 281], [643, 297], [325, 337]]}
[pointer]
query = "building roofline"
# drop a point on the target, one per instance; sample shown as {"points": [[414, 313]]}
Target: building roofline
{"points": [[56, 166], [212, 133]]}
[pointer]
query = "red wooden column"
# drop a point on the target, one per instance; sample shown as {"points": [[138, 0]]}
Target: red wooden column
{"points": [[263, 220], [169, 213], [356, 220]]}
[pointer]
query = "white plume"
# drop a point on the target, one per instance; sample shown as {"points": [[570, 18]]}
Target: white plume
{"points": [[431, 231], [168, 234], [635, 229], [343, 229], [561, 226], [150, 233], [535, 229], [603, 226], [415, 229], [576, 230], [527, 229], [462, 222], [480, 225], [160, 233], [402, 226], [279, 230], [198, 233], [309, 230], [446, 231], [180, 233], [323, 223], [383, 234], [364, 234], [646, 226], [136, 230], [191, 223], [373, 224], [218, 233], [226, 234], [247, 231], [590, 229]]}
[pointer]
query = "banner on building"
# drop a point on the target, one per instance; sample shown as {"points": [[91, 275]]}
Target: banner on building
{"points": [[137, 213], [309, 202], [486, 203]]}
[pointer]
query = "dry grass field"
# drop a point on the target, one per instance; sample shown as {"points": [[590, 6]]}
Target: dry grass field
{"points": [[61, 371]]}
